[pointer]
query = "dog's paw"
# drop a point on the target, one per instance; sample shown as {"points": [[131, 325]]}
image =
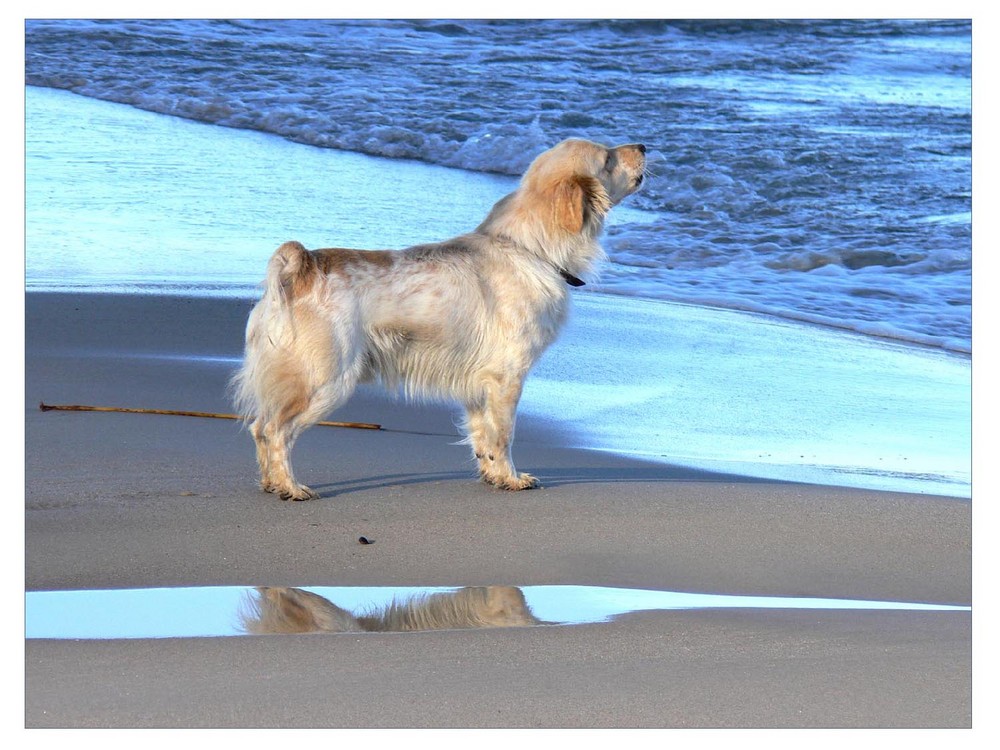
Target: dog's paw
{"points": [[295, 492], [511, 482]]}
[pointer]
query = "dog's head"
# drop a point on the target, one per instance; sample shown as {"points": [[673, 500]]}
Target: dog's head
{"points": [[578, 181]]}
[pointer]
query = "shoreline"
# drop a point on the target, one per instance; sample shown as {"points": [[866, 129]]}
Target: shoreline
{"points": [[668, 348]]}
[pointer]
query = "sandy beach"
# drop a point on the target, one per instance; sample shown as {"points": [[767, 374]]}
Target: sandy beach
{"points": [[130, 500]]}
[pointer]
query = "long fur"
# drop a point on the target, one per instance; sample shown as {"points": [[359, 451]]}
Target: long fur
{"points": [[279, 609], [461, 320]]}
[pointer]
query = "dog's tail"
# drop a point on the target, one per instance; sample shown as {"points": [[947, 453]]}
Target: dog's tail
{"points": [[288, 272], [270, 331]]}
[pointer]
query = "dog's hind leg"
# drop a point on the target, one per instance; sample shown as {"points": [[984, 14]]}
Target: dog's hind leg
{"points": [[276, 437], [263, 455], [276, 473], [304, 355], [292, 385]]}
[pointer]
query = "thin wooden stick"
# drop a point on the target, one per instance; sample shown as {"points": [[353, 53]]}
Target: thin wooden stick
{"points": [[77, 407]]}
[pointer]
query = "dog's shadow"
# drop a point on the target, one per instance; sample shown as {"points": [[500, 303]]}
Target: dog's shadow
{"points": [[551, 478], [385, 481]]}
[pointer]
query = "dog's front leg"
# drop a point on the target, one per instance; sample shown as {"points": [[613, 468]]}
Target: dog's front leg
{"points": [[490, 426]]}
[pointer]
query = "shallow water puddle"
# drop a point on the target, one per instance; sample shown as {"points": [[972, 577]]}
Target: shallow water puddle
{"points": [[242, 610]]}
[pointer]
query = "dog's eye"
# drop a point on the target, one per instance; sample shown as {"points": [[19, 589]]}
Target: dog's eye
{"points": [[609, 161]]}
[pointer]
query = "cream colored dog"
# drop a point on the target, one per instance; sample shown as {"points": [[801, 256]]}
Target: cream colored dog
{"points": [[280, 609], [463, 320]]}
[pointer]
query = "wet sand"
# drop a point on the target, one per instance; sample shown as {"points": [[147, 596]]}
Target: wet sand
{"points": [[128, 500]]}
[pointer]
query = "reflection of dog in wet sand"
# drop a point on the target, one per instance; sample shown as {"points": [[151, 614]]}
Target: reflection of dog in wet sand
{"points": [[462, 320], [278, 609]]}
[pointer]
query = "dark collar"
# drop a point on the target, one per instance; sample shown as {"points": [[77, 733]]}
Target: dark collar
{"points": [[570, 278]]}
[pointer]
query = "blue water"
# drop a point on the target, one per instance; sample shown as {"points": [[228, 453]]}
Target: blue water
{"points": [[818, 171]]}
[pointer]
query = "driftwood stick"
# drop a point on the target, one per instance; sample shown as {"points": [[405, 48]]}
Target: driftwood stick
{"points": [[78, 407]]}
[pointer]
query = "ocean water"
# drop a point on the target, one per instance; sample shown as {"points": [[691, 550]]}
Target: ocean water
{"points": [[812, 170]]}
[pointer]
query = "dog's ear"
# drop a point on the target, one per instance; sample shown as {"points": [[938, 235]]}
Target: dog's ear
{"points": [[579, 200], [596, 200]]}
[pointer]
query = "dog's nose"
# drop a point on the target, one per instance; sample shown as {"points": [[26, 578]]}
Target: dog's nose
{"points": [[641, 147]]}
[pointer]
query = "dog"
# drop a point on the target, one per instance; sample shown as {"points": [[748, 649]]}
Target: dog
{"points": [[461, 320], [280, 609]]}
